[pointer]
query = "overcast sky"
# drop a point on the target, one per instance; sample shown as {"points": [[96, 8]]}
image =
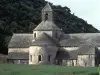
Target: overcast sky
{"points": [[89, 10]]}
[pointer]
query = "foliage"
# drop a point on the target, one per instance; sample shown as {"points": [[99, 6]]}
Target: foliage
{"points": [[10, 69], [22, 16]]}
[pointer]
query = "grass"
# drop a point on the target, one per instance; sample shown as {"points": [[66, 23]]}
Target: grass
{"points": [[12, 69]]}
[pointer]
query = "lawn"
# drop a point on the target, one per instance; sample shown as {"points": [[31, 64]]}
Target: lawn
{"points": [[10, 69]]}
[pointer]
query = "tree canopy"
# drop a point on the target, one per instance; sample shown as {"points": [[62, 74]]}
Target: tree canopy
{"points": [[22, 16]]}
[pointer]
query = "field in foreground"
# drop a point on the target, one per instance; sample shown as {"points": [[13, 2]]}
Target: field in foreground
{"points": [[10, 69]]}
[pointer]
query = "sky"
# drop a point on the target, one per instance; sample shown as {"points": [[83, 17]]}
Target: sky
{"points": [[89, 10]]}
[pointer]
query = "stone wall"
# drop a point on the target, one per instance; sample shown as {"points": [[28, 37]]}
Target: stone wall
{"points": [[38, 33], [98, 48], [18, 53], [86, 60], [18, 61], [69, 48], [3, 58], [69, 62], [55, 34], [35, 51], [18, 50]]}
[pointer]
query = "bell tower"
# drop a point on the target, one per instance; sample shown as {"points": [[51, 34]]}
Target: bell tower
{"points": [[47, 13], [47, 25]]}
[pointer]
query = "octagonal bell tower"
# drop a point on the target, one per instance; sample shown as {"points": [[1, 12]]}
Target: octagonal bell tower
{"points": [[47, 25], [47, 13]]}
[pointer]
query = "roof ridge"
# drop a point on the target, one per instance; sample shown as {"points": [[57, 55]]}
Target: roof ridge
{"points": [[47, 25], [81, 33], [51, 39], [47, 7], [44, 39]]}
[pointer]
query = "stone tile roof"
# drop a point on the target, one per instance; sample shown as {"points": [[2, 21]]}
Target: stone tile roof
{"points": [[73, 54], [86, 49], [46, 26], [18, 55], [21, 41], [44, 40], [67, 55], [68, 40], [80, 38], [47, 8]]}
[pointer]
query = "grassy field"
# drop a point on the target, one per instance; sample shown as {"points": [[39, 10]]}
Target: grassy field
{"points": [[10, 69]]}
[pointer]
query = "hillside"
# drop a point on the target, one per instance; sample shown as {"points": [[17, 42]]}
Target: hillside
{"points": [[22, 16]]}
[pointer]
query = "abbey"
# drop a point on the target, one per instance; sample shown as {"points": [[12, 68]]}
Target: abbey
{"points": [[50, 45]]}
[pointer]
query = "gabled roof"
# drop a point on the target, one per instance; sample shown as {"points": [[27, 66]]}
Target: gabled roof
{"points": [[67, 55], [76, 40], [18, 55], [44, 40], [21, 41], [71, 40], [46, 25], [86, 49], [47, 7]]}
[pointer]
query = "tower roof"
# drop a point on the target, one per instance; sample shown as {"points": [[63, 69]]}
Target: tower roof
{"points": [[47, 7], [21, 41], [44, 40], [47, 25]]}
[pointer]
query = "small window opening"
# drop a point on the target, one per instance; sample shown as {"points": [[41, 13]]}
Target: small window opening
{"points": [[39, 57], [31, 58], [56, 35], [72, 63], [49, 57], [90, 56], [46, 17], [34, 35]]}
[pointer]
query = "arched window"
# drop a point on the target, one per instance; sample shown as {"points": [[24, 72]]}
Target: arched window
{"points": [[72, 63], [39, 58], [31, 58], [34, 35], [55, 34], [49, 57], [46, 17]]}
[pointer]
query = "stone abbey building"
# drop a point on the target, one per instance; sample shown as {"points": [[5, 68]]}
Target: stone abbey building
{"points": [[50, 45]]}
